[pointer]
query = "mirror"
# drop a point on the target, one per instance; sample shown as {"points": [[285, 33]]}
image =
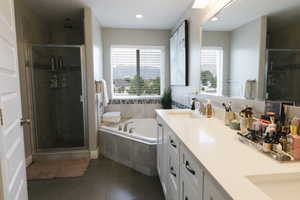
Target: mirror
{"points": [[251, 50]]}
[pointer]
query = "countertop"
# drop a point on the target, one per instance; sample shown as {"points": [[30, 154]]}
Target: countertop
{"points": [[228, 160]]}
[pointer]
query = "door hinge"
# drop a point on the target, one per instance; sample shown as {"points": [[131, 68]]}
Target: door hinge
{"points": [[1, 118]]}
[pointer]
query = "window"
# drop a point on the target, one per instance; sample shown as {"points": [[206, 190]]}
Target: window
{"points": [[136, 71], [211, 70]]}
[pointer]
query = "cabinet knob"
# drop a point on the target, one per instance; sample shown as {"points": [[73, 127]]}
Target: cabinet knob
{"points": [[186, 198]]}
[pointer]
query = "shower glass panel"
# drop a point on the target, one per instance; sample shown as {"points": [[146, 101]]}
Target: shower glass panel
{"points": [[283, 72], [57, 78]]}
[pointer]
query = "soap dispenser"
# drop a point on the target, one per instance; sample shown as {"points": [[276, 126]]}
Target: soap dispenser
{"points": [[209, 110]]}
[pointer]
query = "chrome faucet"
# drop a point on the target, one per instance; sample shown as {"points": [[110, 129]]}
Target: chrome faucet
{"points": [[131, 129], [125, 128]]}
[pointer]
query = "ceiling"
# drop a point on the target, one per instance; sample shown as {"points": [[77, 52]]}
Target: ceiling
{"points": [[244, 11], [158, 14]]}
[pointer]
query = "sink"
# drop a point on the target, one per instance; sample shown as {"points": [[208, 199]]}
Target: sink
{"points": [[181, 113], [278, 186]]}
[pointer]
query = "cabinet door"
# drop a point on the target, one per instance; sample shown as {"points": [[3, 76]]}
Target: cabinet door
{"points": [[212, 191], [162, 161]]}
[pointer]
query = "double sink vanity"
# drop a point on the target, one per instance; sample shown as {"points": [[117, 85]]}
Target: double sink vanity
{"points": [[200, 158]]}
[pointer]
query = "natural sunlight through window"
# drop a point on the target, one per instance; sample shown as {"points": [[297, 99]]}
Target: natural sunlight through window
{"points": [[136, 71], [211, 70]]}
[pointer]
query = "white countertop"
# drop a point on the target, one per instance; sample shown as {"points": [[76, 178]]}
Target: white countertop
{"points": [[227, 159]]}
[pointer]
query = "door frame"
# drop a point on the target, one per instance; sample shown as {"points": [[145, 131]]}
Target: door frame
{"points": [[34, 135]]}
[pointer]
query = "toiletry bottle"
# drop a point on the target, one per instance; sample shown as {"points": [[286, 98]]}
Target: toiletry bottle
{"points": [[193, 104], [267, 144], [209, 110]]}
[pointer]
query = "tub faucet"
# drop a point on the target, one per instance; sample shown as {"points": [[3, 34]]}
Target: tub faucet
{"points": [[131, 130], [125, 128]]}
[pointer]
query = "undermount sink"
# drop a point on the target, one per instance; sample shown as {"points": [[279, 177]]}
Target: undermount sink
{"points": [[181, 113], [278, 186]]}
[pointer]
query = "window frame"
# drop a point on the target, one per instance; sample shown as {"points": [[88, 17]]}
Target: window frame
{"points": [[162, 71], [219, 71]]}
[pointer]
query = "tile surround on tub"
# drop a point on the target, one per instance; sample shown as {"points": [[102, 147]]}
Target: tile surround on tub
{"points": [[136, 101], [134, 108]]}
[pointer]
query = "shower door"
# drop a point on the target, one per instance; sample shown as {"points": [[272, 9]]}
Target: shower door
{"points": [[58, 77]]}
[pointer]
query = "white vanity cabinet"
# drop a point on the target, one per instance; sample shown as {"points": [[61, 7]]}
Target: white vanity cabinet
{"points": [[212, 190], [162, 154], [182, 176], [173, 146]]}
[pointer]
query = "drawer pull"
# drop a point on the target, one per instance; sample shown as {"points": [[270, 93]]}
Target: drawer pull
{"points": [[188, 167], [172, 171], [173, 144], [160, 125]]}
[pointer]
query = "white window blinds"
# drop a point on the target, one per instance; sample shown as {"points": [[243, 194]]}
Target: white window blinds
{"points": [[136, 71]]}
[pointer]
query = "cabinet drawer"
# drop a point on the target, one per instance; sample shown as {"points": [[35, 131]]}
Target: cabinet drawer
{"points": [[174, 170], [188, 191], [173, 143], [191, 168], [213, 191]]}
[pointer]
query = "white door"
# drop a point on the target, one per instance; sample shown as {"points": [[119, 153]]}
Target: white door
{"points": [[12, 169]]}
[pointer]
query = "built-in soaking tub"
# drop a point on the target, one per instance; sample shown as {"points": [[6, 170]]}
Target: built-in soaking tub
{"points": [[136, 150]]}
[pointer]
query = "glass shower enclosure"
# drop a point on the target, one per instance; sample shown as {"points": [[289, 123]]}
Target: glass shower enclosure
{"points": [[282, 75], [58, 85]]}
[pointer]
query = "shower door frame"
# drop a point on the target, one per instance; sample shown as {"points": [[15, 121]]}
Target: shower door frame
{"points": [[83, 99]]}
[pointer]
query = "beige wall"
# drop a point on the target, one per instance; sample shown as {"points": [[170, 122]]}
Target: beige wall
{"points": [[30, 29], [112, 36], [93, 43]]}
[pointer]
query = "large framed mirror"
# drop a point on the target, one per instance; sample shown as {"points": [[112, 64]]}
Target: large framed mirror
{"points": [[251, 50]]}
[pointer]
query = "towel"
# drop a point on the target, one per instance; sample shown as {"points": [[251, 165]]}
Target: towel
{"points": [[105, 94], [113, 117]]}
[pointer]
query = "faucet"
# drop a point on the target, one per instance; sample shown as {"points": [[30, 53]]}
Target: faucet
{"points": [[131, 129], [125, 128]]}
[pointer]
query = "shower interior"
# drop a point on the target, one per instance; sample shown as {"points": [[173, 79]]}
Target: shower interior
{"points": [[58, 97]]}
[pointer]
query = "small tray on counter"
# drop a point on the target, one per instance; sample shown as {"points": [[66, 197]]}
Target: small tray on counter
{"points": [[279, 156]]}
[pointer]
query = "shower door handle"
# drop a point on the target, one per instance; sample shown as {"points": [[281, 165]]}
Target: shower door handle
{"points": [[25, 121]]}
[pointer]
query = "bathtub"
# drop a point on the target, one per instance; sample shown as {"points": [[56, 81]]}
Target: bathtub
{"points": [[136, 150]]}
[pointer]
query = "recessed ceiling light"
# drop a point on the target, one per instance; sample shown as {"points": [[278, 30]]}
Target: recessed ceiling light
{"points": [[139, 16], [214, 19]]}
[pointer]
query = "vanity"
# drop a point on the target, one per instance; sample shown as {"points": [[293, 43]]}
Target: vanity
{"points": [[202, 159]]}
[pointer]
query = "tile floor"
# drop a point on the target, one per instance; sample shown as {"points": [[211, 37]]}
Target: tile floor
{"points": [[104, 180]]}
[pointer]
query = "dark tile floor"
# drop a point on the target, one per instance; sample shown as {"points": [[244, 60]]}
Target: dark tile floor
{"points": [[104, 180]]}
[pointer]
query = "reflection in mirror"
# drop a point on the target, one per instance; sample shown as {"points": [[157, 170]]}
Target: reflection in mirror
{"points": [[283, 56], [251, 50]]}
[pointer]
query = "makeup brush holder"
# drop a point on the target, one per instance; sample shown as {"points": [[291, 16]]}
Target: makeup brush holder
{"points": [[229, 117]]}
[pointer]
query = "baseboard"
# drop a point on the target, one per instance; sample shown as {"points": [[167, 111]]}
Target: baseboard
{"points": [[94, 153], [28, 160]]}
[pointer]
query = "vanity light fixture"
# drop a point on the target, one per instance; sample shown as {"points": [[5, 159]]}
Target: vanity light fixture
{"points": [[200, 3], [214, 19], [139, 16]]}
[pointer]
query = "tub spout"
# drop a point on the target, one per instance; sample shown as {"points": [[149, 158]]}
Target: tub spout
{"points": [[126, 126]]}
